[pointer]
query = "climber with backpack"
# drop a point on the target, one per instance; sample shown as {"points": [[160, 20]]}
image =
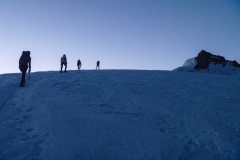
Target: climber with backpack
{"points": [[64, 62], [98, 65], [24, 64], [79, 64]]}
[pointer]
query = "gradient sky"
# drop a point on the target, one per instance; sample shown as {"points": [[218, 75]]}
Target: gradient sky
{"points": [[122, 34]]}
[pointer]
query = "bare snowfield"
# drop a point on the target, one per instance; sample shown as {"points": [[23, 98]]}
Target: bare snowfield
{"points": [[120, 114]]}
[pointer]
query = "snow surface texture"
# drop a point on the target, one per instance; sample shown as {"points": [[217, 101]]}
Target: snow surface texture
{"points": [[117, 114], [189, 64]]}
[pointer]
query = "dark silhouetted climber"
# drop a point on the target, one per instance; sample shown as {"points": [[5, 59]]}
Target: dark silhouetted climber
{"points": [[79, 64], [98, 65], [24, 64], [64, 62]]}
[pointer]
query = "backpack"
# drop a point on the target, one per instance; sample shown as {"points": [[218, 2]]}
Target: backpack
{"points": [[25, 58], [63, 59], [78, 62]]}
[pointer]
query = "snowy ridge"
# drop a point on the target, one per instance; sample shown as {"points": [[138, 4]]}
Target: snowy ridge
{"points": [[120, 114], [190, 62]]}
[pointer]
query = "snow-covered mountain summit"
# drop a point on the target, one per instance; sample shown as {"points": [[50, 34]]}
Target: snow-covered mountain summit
{"points": [[209, 63], [120, 114]]}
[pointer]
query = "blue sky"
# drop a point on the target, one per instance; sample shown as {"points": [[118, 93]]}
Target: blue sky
{"points": [[122, 34]]}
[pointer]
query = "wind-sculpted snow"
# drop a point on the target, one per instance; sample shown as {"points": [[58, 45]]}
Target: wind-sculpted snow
{"points": [[120, 114]]}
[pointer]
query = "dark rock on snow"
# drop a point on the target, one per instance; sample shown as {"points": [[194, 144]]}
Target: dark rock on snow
{"points": [[204, 58]]}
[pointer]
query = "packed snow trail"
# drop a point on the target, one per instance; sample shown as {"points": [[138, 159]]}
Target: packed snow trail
{"points": [[122, 114]]}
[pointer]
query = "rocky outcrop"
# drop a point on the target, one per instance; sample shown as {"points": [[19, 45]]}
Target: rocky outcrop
{"points": [[235, 64], [204, 58]]}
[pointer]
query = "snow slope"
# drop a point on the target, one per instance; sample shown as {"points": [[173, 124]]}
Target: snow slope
{"points": [[120, 114], [190, 62]]}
